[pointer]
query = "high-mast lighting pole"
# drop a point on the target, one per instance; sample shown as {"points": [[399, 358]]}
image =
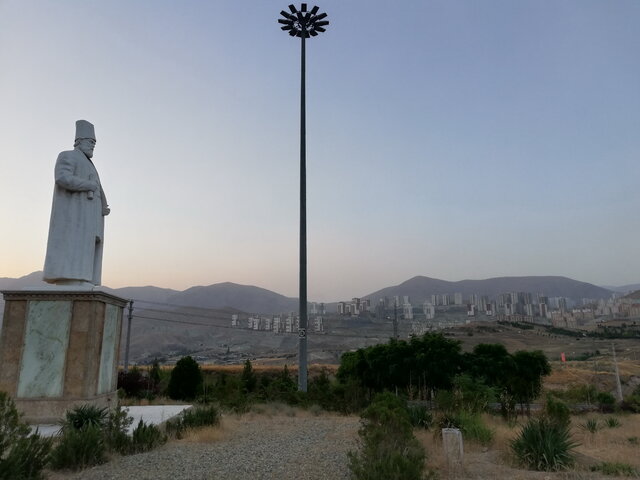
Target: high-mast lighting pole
{"points": [[304, 24]]}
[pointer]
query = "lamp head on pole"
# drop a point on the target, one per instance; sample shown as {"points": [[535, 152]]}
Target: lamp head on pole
{"points": [[303, 22]]}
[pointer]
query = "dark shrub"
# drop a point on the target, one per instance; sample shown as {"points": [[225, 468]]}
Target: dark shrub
{"points": [[557, 411], [193, 418], [321, 391], [606, 401], [133, 382], [186, 379], [388, 449], [146, 437], [22, 455], [248, 378], [115, 431], [79, 448]]}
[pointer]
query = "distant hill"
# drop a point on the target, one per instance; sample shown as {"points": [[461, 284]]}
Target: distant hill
{"points": [[624, 288], [421, 288], [231, 295], [148, 294], [251, 299], [32, 280]]}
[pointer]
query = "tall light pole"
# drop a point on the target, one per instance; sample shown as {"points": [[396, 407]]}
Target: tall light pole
{"points": [[303, 24]]}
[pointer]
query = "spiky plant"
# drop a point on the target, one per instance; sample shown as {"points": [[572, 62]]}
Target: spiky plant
{"points": [[544, 445]]}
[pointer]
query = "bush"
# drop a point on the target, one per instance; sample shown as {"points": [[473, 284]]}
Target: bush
{"points": [[22, 455], [186, 379], [615, 469], [84, 416], [193, 418], [146, 437], [606, 401], [544, 445], [557, 411], [116, 429], [388, 449], [27, 458], [632, 402], [470, 424], [79, 448], [420, 416]]}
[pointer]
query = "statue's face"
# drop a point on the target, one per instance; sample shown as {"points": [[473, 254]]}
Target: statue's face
{"points": [[86, 146]]}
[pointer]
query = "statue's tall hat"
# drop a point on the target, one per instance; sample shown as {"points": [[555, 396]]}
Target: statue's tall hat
{"points": [[85, 129]]}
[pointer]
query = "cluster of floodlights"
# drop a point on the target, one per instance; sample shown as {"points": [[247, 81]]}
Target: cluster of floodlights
{"points": [[303, 22]]}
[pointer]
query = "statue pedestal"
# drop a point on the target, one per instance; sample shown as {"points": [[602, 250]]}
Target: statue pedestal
{"points": [[58, 349]]}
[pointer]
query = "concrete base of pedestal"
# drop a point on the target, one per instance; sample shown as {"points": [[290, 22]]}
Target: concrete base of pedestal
{"points": [[59, 349]]}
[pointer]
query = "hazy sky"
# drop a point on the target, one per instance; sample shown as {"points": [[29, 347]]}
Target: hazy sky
{"points": [[453, 139]]}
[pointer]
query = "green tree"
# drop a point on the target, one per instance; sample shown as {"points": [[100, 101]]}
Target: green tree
{"points": [[154, 376], [186, 379], [248, 378], [525, 381]]}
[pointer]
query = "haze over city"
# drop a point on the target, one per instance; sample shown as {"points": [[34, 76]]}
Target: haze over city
{"points": [[457, 140]]}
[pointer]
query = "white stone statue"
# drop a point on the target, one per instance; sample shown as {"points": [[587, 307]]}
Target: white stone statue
{"points": [[76, 229]]}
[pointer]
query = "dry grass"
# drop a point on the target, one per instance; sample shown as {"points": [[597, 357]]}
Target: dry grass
{"points": [[497, 462], [212, 434], [609, 444]]}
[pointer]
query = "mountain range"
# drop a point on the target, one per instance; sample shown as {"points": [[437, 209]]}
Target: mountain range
{"points": [[421, 288], [253, 299]]}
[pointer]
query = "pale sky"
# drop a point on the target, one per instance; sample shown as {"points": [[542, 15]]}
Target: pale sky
{"points": [[452, 139]]}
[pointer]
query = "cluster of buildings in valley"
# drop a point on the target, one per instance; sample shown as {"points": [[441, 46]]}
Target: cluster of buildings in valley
{"points": [[277, 323], [440, 310], [445, 310]]}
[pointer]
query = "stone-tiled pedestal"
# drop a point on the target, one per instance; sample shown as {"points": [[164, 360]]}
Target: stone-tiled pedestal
{"points": [[59, 348]]}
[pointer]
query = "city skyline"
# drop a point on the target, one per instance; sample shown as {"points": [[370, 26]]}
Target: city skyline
{"points": [[451, 140]]}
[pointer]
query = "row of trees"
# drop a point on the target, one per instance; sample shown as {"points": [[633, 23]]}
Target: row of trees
{"points": [[424, 365]]}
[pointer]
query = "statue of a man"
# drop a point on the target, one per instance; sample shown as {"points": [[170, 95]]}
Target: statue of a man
{"points": [[76, 229]]}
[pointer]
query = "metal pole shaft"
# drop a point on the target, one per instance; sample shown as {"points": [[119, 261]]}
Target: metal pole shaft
{"points": [[617, 374], [302, 332], [126, 351]]}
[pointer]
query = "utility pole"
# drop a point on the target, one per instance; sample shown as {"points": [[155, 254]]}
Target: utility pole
{"points": [[617, 373], [126, 351]]}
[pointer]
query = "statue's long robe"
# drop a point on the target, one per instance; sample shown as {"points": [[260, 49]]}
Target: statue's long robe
{"points": [[76, 228]]}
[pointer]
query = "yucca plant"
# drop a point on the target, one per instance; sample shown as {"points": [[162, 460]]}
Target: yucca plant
{"points": [[590, 425], [613, 422], [85, 415], [544, 445]]}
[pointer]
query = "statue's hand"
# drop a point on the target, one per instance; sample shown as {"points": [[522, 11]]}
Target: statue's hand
{"points": [[106, 211]]}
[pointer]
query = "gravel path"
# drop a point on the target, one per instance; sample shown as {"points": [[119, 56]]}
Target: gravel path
{"points": [[301, 447]]}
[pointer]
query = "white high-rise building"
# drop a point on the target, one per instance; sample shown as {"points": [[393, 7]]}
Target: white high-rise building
{"points": [[429, 310], [407, 310]]}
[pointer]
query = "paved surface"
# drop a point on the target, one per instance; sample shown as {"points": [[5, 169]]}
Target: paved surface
{"points": [[153, 414], [279, 447]]}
